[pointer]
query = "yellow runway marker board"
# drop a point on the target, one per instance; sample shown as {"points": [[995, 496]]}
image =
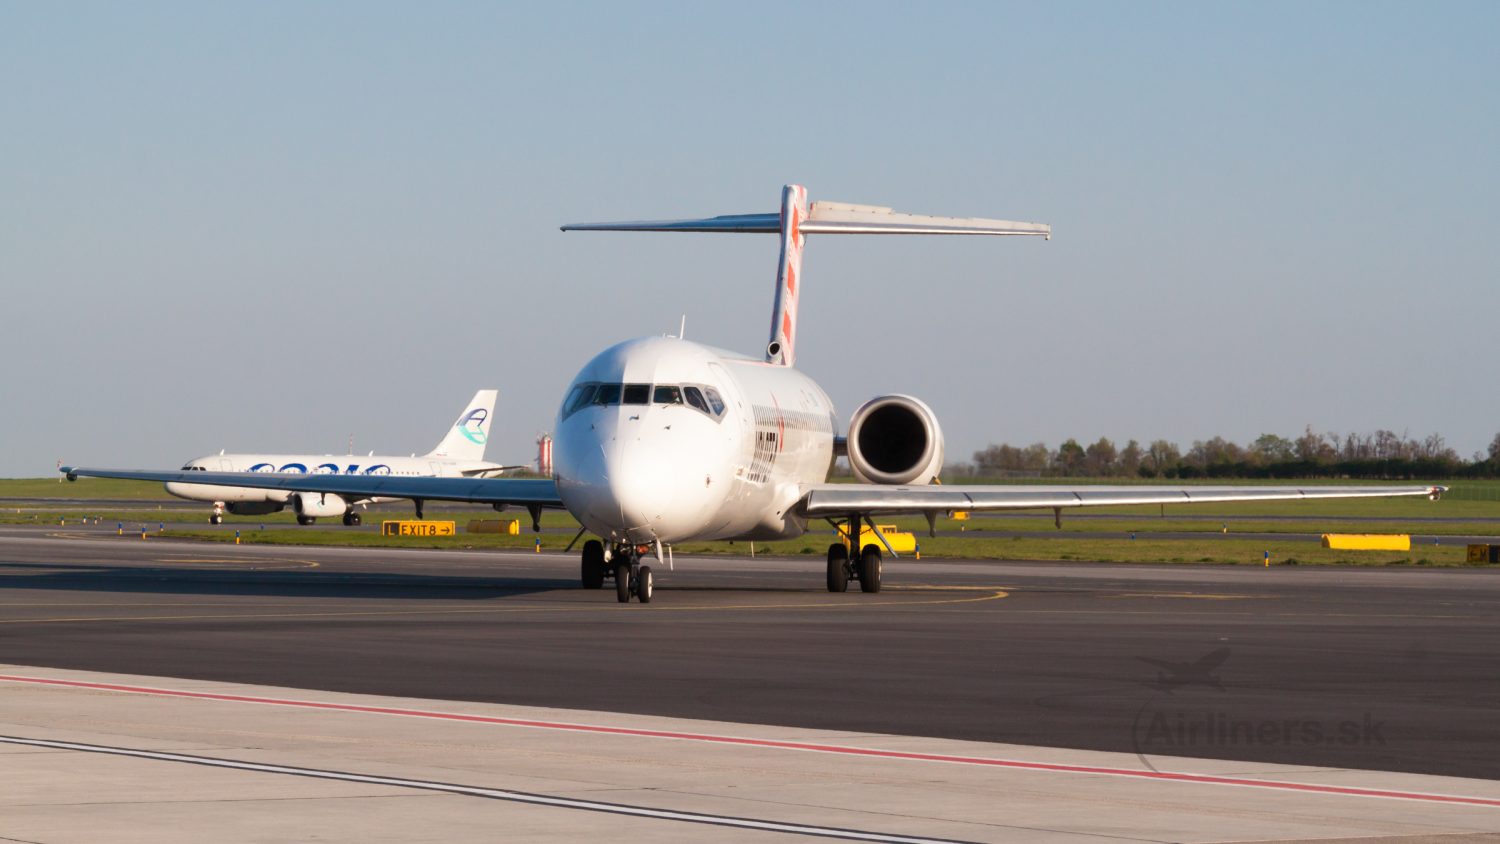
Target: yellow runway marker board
{"points": [[413, 527], [501, 526], [1367, 541]]}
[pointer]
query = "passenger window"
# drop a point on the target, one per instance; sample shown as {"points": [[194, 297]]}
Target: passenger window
{"points": [[668, 395], [637, 394], [714, 401], [695, 398], [607, 394]]}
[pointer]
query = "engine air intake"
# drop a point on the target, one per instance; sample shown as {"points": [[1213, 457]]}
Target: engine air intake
{"points": [[895, 440]]}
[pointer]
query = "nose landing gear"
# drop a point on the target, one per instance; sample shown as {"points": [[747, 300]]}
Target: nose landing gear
{"points": [[593, 564], [631, 578]]}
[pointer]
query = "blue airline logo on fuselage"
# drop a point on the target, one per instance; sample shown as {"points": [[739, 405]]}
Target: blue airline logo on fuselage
{"points": [[324, 469]]}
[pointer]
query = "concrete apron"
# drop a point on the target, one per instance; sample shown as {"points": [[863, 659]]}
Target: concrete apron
{"points": [[98, 757]]}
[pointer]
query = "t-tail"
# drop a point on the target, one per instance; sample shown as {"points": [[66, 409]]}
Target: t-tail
{"points": [[467, 437], [794, 222]]}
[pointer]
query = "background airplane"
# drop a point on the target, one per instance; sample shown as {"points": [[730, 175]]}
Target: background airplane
{"points": [[660, 440], [460, 454]]}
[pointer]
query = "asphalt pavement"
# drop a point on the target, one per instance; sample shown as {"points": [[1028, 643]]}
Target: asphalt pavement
{"points": [[1381, 669]]}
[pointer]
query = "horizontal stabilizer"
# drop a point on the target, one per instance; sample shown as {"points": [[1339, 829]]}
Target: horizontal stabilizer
{"points": [[759, 223], [794, 222], [829, 218], [843, 218]]}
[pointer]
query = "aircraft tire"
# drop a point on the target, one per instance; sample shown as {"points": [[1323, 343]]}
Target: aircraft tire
{"points": [[306, 520], [622, 582], [593, 564], [216, 519], [643, 585], [838, 568], [869, 569]]}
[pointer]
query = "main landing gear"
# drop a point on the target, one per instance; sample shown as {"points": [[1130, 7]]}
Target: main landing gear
{"points": [[631, 578], [305, 520], [866, 569], [351, 519]]}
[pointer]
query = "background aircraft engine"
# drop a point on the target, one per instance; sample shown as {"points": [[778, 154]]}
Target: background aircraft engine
{"points": [[319, 505], [895, 440], [254, 508]]}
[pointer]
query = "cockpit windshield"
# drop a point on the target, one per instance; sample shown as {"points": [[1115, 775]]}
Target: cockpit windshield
{"points": [[608, 394], [715, 403], [581, 395], [700, 397]]}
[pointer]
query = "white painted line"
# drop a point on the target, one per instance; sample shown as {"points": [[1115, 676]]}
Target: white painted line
{"points": [[774, 744], [491, 793]]}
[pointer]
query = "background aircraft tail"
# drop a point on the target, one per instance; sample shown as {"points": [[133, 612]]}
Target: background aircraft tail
{"points": [[795, 221], [467, 437]]}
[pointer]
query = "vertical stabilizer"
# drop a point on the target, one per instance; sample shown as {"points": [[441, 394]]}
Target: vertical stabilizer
{"points": [[781, 348], [467, 437]]}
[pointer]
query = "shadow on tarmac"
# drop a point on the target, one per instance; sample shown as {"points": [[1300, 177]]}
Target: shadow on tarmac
{"points": [[280, 583]]}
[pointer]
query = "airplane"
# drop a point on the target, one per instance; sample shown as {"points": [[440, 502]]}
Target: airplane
{"points": [[460, 454], [660, 440]]}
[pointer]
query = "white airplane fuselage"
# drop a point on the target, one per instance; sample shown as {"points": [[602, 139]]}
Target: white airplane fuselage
{"points": [[321, 464], [665, 469]]}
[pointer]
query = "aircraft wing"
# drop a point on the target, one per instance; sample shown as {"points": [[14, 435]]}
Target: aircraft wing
{"points": [[834, 500], [539, 492], [491, 471]]}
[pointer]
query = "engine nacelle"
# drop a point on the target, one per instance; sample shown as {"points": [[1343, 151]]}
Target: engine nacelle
{"points": [[254, 508], [319, 505], [895, 440]]}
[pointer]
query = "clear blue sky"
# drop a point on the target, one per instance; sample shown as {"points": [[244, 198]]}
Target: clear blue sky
{"points": [[266, 226]]}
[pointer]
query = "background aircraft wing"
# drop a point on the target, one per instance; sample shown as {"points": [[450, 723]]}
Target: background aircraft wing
{"points": [[540, 492], [841, 499]]}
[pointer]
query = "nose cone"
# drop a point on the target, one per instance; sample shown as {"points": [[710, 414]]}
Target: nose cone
{"points": [[653, 490], [631, 478]]}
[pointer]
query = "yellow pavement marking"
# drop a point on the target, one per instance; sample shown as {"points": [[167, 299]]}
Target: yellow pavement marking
{"points": [[856, 603], [245, 561], [1202, 596], [938, 587]]}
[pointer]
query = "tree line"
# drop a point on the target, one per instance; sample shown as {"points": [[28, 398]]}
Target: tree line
{"points": [[1383, 454]]}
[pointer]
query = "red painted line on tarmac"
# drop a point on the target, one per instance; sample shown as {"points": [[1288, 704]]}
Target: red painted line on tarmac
{"points": [[708, 738]]}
